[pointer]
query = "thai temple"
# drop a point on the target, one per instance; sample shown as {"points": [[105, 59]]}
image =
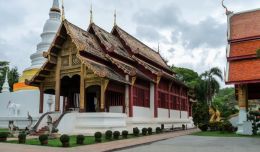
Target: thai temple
{"points": [[243, 61], [99, 80]]}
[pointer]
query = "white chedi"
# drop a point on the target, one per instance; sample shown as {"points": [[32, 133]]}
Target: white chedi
{"points": [[6, 87], [50, 29]]}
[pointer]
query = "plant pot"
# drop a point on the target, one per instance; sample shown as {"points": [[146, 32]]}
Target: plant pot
{"points": [[65, 144], [3, 139], [21, 141], [80, 142], [44, 142]]}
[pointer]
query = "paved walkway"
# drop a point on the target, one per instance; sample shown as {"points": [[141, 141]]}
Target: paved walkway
{"points": [[201, 144], [109, 146]]}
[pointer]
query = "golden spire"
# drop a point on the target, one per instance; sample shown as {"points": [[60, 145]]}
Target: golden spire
{"points": [[63, 11], [91, 14], [115, 18]]}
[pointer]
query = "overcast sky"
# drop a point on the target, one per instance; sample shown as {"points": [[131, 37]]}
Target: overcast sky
{"points": [[191, 33]]}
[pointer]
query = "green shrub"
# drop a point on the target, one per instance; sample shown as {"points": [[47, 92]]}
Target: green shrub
{"points": [[227, 126], [3, 136], [144, 131], [43, 139], [136, 131], [22, 138], [125, 134], [108, 134], [116, 135], [150, 131], [65, 140], [158, 130], [80, 139], [203, 127], [98, 136]]}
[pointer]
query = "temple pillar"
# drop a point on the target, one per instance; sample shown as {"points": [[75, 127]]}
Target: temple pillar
{"points": [[41, 98], [131, 97], [104, 83], [82, 89], [152, 98], [242, 102], [156, 96], [127, 97], [57, 85]]}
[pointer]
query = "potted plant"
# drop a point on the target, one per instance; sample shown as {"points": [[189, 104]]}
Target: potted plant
{"points": [[116, 135], [150, 131], [80, 139], [125, 134], [144, 131], [43, 139], [108, 134], [136, 131], [65, 140], [3, 136], [98, 137], [158, 130], [22, 138]]}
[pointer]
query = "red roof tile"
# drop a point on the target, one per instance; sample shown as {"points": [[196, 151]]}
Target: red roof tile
{"points": [[244, 48], [243, 25]]}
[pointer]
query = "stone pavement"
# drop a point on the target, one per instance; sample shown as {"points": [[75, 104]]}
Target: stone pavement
{"points": [[201, 144], [109, 146]]}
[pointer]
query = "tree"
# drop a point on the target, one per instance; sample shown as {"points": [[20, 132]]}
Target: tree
{"points": [[225, 102], [13, 77], [212, 85]]}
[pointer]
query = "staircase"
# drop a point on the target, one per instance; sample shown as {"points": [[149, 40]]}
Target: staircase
{"points": [[42, 131]]}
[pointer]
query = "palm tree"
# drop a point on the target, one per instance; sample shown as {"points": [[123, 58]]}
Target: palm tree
{"points": [[212, 85]]}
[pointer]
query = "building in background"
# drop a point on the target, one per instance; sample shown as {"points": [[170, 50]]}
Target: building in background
{"points": [[243, 61]]}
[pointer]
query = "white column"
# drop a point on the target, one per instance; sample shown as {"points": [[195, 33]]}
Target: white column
{"points": [[152, 99]]}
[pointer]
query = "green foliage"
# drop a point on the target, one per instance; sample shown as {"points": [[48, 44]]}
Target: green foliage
{"points": [[125, 134], [108, 134], [188, 76], [3, 136], [22, 138], [225, 101], [144, 131], [116, 135], [158, 130], [43, 139], [254, 118], [98, 136], [65, 140], [80, 139], [203, 126], [150, 131], [136, 131], [200, 113], [258, 53]]}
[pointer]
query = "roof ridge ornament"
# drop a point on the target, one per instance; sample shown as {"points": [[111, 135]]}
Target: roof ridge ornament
{"points": [[227, 11], [63, 11], [115, 17], [91, 14]]}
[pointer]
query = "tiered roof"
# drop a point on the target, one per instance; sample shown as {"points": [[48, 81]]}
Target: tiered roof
{"points": [[102, 52], [244, 42]]}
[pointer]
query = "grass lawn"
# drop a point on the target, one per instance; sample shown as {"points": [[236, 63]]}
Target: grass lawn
{"points": [[4, 130], [56, 142], [220, 134]]}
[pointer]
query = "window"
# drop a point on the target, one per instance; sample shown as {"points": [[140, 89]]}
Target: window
{"points": [[163, 100], [114, 98], [141, 96]]}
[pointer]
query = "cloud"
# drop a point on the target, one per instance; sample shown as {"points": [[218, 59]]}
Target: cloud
{"points": [[208, 32], [149, 34]]}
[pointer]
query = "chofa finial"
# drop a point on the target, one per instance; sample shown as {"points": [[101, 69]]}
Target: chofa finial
{"points": [[227, 11], [115, 18], [63, 11], [91, 14]]}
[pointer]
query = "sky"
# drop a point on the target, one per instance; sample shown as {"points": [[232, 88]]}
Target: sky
{"points": [[191, 33]]}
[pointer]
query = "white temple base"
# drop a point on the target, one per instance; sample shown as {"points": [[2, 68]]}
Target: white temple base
{"points": [[89, 123], [242, 119]]}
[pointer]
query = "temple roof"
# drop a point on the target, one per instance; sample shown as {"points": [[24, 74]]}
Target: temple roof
{"points": [[100, 44], [245, 25], [138, 47]]}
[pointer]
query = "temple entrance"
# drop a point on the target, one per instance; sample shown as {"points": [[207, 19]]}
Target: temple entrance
{"points": [[93, 99], [70, 90]]}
